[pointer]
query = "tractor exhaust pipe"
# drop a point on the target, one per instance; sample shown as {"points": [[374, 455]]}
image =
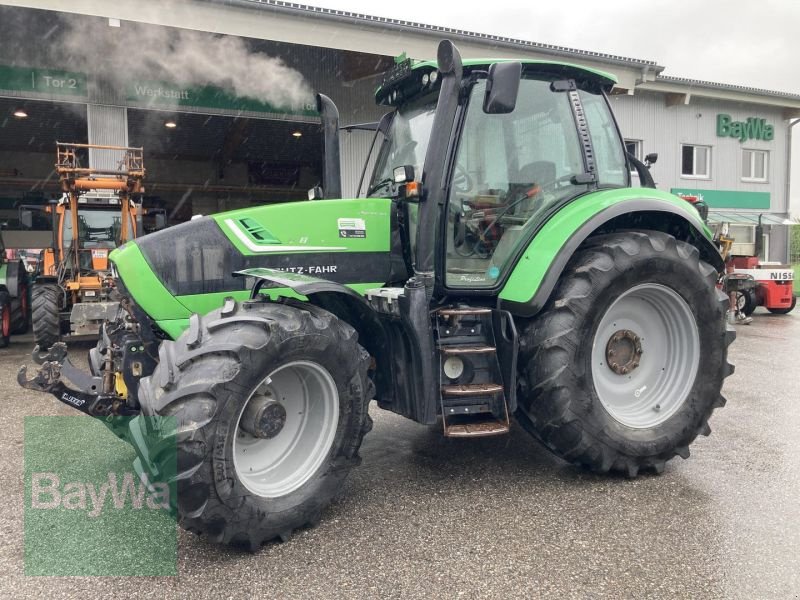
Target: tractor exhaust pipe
{"points": [[450, 72], [331, 168]]}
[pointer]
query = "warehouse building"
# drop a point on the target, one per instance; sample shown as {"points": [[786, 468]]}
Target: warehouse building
{"points": [[223, 126]]}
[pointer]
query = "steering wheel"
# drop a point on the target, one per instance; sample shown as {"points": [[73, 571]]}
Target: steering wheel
{"points": [[535, 190], [462, 181]]}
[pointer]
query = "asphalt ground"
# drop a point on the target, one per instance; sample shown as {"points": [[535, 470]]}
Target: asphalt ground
{"points": [[424, 516]]}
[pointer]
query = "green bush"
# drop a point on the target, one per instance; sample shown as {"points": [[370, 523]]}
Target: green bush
{"points": [[794, 244], [796, 267]]}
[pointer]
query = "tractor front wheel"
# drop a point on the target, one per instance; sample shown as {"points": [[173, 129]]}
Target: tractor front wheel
{"points": [[46, 314], [624, 366], [269, 403]]}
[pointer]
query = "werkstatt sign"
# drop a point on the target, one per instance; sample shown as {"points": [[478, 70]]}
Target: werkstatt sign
{"points": [[45, 81], [752, 129], [156, 92]]}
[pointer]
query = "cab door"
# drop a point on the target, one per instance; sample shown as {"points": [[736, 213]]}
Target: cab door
{"points": [[509, 168]]}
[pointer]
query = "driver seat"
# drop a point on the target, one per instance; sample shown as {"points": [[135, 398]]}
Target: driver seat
{"points": [[537, 172]]}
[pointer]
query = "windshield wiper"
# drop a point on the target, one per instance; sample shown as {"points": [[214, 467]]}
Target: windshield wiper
{"points": [[379, 185]]}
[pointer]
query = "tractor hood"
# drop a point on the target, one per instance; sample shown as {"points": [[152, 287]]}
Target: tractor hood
{"points": [[189, 268]]}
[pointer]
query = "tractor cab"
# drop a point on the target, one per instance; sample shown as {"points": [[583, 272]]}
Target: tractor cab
{"points": [[528, 138], [100, 229]]}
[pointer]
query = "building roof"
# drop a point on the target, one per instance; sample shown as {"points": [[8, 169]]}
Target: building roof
{"points": [[386, 22], [711, 85], [502, 41]]}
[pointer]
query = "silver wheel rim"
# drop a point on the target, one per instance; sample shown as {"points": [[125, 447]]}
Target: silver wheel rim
{"points": [[275, 467], [659, 323]]}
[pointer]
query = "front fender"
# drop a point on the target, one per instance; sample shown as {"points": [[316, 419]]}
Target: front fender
{"points": [[340, 300], [540, 266]]}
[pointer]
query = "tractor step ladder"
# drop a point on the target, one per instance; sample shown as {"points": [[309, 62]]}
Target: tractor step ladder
{"points": [[472, 395]]}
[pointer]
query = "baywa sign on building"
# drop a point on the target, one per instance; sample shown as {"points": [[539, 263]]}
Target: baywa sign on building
{"points": [[751, 129]]}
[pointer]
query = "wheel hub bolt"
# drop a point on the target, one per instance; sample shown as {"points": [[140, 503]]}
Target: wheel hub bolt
{"points": [[623, 351]]}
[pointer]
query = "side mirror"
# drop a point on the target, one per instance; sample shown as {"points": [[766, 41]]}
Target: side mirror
{"points": [[315, 193], [404, 177], [403, 174], [651, 159], [502, 88], [161, 220]]}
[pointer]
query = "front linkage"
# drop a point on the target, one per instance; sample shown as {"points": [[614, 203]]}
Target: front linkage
{"points": [[128, 351]]}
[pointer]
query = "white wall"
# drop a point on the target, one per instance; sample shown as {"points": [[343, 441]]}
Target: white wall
{"points": [[663, 129]]}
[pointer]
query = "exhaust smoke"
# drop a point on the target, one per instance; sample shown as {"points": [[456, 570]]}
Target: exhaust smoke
{"points": [[184, 58]]}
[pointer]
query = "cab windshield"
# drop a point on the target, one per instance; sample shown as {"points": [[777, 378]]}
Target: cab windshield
{"points": [[97, 228], [406, 143]]}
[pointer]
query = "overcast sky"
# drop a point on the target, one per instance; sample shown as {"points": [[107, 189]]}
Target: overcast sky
{"points": [[753, 43], [733, 41]]}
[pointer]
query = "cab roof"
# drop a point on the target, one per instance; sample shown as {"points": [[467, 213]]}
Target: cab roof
{"points": [[547, 65], [408, 69]]}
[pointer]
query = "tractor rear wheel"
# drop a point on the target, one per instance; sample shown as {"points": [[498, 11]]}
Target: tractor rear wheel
{"points": [[5, 320], [46, 314], [784, 311], [270, 405], [624, 366]]}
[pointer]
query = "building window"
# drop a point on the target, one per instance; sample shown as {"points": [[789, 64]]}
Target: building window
{"points": [[696, 161], [634, 147], [754, 165]]}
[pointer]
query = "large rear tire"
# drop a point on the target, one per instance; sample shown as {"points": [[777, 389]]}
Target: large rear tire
{"points": [[624, 366], [46, 314], [270, 403]]}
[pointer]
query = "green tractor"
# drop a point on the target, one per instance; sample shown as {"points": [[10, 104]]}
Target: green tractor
{"points": [[15, 314], [499, 267]]}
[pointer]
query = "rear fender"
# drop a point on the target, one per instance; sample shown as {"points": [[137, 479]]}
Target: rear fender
{"points": [[523, 297]]}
